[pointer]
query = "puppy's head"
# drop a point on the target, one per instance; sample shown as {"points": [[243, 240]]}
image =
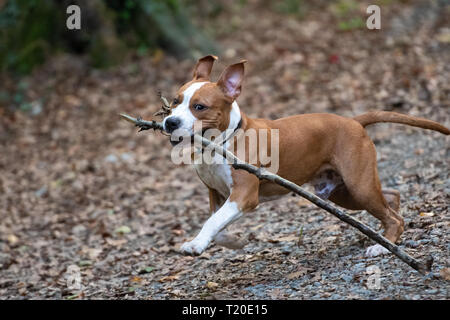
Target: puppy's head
{"points": [[212, 103]]}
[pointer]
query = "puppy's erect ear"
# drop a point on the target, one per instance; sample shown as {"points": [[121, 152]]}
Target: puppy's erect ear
{"points": [[231, 79], [203, 67]]}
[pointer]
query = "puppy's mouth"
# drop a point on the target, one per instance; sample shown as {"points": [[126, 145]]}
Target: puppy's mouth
{"points": [[180, 138], [174, 143]]}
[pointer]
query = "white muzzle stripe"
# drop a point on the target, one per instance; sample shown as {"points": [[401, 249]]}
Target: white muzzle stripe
{"points": [[182, 111]]}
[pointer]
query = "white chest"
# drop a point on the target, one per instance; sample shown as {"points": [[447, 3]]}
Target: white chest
{"points": [[216, 176]]}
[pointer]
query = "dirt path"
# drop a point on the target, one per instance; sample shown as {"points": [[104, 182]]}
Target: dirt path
{"points": [[79, 187]]}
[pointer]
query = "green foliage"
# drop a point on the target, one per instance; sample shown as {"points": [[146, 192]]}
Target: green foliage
{"points": [[31, 30], [351, 24], [344, 8], [172, 28], [295, 7], [346, 11], [26, 33], [16, 99]]}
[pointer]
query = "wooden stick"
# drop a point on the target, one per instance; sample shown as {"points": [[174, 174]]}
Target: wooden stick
{"points": [[262, 173]]}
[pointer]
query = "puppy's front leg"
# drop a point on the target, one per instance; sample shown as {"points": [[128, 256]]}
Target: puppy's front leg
{"points": [[243, 198], [228, 213], [223, 238]]}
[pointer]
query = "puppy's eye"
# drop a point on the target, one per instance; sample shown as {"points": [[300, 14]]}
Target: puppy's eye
{"points": [[199, 107], [175, 101]]}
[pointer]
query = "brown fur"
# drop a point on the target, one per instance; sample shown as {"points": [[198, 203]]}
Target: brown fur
{"points": [[386, 116], [309, 144]]}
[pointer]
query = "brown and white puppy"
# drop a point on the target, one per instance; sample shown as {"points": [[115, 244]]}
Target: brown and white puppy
{"points": [[334, 153]]}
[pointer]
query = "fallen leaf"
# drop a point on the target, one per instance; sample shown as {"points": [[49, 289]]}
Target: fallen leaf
{"points": [[445, 274], [426, 214], [276, 294], [123, 230], [259, 226], [205, 256], [301, 271], [176, 292], [317, 276], [295, 275], [136, 279], [146, 270], [164, 249], [300, 238], [289, 238], [178, 232], [12, 239], [169, 278], [303, 203], [85, 263], [212, 285], [72, 100], [94, 253], [116, 243], [443, 37]]}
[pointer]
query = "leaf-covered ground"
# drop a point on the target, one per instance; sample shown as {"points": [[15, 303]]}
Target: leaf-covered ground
{"points": [[79, 187]]}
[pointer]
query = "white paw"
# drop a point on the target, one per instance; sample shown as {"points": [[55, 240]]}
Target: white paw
{"points": [[194, 247], [376, 250]]}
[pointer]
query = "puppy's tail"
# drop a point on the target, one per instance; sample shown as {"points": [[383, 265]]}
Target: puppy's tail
{"points": [[387, 116]]}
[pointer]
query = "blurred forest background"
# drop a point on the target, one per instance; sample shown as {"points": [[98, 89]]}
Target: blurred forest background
{"points": [[80, 187], [33, 30]]}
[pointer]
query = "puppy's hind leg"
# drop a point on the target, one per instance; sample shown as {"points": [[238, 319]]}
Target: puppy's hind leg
{"points": [[360, 176], [393, 199], [230, 241], [342, 197]]}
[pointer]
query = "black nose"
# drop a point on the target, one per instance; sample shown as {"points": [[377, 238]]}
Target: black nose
{"points": [[172, 124]]}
